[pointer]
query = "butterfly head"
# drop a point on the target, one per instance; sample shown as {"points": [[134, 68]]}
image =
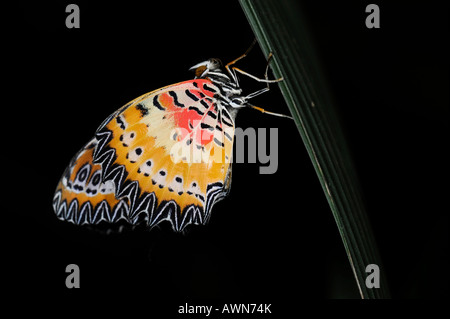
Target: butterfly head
{"points": [[203, 68], [231, 92]]}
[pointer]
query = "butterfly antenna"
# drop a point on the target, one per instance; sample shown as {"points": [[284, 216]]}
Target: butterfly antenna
{"points": [[270, 113]]}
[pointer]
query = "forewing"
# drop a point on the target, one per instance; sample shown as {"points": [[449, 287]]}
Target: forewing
{"points": [[165, 156]]}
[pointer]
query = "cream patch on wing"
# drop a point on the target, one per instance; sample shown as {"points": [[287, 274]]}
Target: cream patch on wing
{"points": [[160, 125]]}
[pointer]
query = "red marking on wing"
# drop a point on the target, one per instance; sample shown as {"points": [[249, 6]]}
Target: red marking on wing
{"points": [[189, 117]]}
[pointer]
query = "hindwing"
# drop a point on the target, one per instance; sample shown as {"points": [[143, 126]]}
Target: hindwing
{"points": [[166, 155]]}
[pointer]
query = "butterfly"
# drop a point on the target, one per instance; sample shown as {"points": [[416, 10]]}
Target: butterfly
{"points": [[164, 156]]}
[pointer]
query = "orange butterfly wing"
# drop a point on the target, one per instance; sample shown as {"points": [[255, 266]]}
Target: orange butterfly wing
{"points": [[164, 156]]}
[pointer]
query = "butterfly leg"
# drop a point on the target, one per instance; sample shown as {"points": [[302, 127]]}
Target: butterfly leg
{"points": [[265, 90], [233, 70], [270, 113], [227, 67], [267, 68], [266, 77], [251, 95], [256, 78]]}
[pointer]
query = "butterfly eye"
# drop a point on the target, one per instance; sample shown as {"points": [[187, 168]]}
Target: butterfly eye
{"points": [[214, 64]]}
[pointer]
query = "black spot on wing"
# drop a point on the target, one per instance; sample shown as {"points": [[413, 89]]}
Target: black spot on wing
{"points": [[202, 102], [175, 99], [226, 119], [96, 179], [228, 136], [218, 142], [191, 95], [196, 110], [206, 126], [208, 88], [141, 108], [157, 104], [82, 175], [120, 122], [212, 114]]}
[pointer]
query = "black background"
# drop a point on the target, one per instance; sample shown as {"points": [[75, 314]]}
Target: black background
{"points": [[273, 239]]}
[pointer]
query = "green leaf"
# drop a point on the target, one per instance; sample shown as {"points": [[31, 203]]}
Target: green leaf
{"points": [[280, 28]]}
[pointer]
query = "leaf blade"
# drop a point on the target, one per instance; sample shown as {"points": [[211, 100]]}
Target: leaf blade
{"points": [[280, 29]]}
